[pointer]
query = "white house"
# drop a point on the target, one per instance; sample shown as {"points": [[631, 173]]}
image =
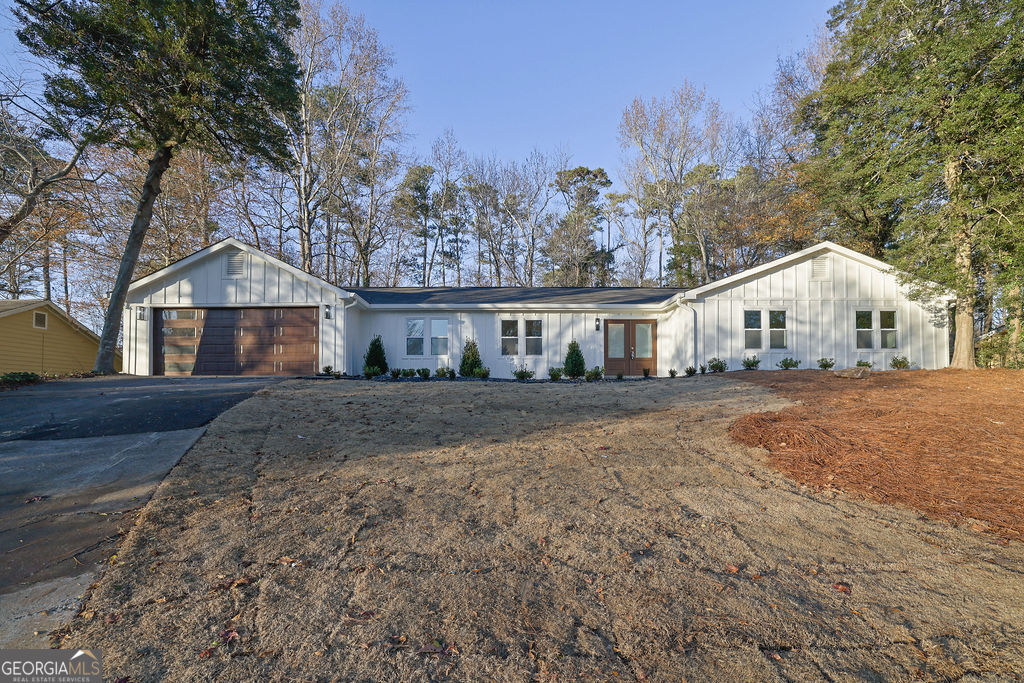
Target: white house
{"points": [[232, 309]]}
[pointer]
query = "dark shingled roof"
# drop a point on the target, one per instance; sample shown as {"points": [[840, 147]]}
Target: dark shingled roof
{"points": [[561, 296]]}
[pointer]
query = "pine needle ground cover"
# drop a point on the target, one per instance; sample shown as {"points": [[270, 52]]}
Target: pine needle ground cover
{"points": [[948, 443]]}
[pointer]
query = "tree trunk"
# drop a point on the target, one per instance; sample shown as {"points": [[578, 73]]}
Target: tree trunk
{"points": [[963, 345], [64, 276], [47, 280], [1015, 311], [143, 215]]}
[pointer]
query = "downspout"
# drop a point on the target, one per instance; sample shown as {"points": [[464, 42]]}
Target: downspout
{"points": [[349, 303]]}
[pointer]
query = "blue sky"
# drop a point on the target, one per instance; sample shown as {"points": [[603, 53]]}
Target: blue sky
{"points": [[511, 76]]}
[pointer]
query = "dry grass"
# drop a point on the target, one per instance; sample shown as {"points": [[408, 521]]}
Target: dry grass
{"points": [[466, 531], [948, 443]]}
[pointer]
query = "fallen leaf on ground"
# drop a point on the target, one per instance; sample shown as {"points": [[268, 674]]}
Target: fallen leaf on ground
{"points": [[842, 587], [732, 569], [35, 499]]}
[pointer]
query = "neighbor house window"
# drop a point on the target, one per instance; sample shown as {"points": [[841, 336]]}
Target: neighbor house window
{"points": [[865, 329], [439, 337], [777, 330], [414, 328], [887, 324], [751, 329], [534, 337], [510, 337]]}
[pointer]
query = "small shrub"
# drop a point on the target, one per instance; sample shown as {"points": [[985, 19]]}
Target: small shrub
{"points": [[482, 373], [470, 359], [899, 363], [371, 371], [865, 364], [788, 363], [396, 373], [595, 374], [424, 373], [522, 373], [647, 372], [555, 374], [751, 363], [575, 366], [451, 373], [337, 375], [328, 370], [441, 372], [618, 375], [826, 363], [716, 364], [17, 379], [375, 356], [672, 373], [408, 372], [690, 371]]}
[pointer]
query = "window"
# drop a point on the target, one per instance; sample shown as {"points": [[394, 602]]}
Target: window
{"points": [[234, 264], [179, 331], [439, 337], [534, 338], [39, 320], [178, 315], [510, 337], [864, 329], [751, 329], [777, 330], [887, 323], [414, 328]]}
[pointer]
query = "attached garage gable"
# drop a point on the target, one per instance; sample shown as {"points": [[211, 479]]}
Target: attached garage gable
{"points": [[233, 310]]}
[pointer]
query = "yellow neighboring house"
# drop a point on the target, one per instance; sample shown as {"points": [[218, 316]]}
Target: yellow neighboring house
{"points": [[36, 336]]}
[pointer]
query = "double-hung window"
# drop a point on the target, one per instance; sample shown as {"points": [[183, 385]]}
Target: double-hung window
{"points": [[510, 337], [887, 325], [752, 329], [414, 329], [863, 321], [426, 336], [525, 335], [777, 330]]}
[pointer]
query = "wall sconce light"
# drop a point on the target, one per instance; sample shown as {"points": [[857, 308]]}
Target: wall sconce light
{"points": [[327, 312], [140, 312], [597, 324]]}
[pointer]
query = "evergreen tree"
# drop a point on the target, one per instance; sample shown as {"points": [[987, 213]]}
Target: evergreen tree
{"points": [[160, 74], [575, 365], [470, 359], [375, 356]]}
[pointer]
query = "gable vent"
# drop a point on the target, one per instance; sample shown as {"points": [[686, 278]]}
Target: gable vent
{"points": [[234, 264], [819, 268], [39, 320]]}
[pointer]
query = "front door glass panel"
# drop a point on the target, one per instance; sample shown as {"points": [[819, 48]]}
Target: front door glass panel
{"points": [[644, 340], [616, 340]]}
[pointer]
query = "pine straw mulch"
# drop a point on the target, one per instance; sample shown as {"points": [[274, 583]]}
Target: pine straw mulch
{"points": [[949, 443]]}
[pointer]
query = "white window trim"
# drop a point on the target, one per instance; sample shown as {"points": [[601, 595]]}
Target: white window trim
{"points": [[876, 328], [788, 328], [521, 337], [760, 330], [46, 320], [426, 336]]}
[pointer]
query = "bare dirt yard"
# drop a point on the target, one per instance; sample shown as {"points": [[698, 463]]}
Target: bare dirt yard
{"points": [[415, 531]]}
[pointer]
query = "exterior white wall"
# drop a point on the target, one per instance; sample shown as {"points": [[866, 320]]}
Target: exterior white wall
{"points": [[204, 284], [558, 329], [820, 317]]}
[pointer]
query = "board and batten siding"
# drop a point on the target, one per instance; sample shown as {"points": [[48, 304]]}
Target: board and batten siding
{"points": [[206, 284], [820, 317], [558, 329]]}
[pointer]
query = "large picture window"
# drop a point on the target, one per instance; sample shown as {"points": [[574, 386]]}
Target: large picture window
{"points": [[777, 330], [752, 329], [510, 337]]}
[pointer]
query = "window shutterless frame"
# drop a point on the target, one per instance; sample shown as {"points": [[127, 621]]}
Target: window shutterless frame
{"points": [[753, 339], [427, 337]]}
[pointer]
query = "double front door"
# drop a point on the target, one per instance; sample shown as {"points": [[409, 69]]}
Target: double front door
{"points": [[630, 346]]}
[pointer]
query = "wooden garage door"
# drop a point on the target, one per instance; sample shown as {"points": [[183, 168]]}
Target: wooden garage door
{"points": [[235, 341]]}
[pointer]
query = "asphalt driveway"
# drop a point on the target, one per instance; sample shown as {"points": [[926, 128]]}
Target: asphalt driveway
{"points": [[78, 458]]}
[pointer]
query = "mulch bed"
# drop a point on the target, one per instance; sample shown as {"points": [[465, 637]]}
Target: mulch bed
{"points": [[949, 443]]}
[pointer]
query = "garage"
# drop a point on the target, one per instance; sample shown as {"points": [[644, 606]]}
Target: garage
{"points": [[235, 341]]}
